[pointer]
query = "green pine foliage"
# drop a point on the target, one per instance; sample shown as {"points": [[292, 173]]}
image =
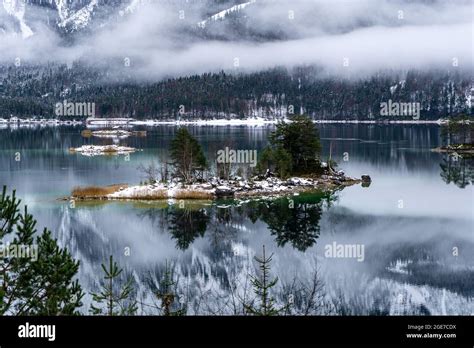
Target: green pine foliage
{"points": [[33, 90], [115, 297], [187, 157], [186, 224], [458, 130], [294, 149], [167, 294], [278, 160], [41, 285], [264, 303]]}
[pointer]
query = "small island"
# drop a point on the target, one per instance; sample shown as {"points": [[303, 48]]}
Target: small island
{"points": [[100, 150], [290, 164], [457, 136], [114, 133]]}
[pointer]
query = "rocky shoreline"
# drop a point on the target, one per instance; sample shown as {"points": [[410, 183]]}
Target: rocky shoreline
{"points": [[112, 133], [130, 122], [262, 186]]}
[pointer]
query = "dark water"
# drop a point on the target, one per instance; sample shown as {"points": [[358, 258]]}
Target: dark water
{"points": [[415, 221]]}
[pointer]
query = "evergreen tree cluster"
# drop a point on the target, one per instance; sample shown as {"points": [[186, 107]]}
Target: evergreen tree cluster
{"points": [[294, 149], [46, 286], [41, 285], [187, 156], [458, 130], [32, 91]]}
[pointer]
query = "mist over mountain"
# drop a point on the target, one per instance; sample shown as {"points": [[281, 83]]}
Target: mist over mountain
{"points": [[171, 38], [330, 59]]}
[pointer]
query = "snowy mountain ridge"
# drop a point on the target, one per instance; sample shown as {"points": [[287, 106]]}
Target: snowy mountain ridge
{"points": [[16, 9], [73, 16], [223, 14]]}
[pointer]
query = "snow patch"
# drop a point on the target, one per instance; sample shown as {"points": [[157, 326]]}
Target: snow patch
{"points": [[16, 8], [221, 15]]}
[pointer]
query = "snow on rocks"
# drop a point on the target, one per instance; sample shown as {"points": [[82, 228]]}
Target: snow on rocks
{"points": [[224, 191], [141, 192], [260, 186], [222, 14], [98, 150], [171, 190], [219, 188], [114, 133], [299, 182]]}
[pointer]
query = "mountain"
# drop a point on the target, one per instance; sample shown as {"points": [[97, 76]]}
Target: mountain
{"points": [[232, 58], [271, 93], [15, 9], [223, 14], [62, 15], [72, 16]]}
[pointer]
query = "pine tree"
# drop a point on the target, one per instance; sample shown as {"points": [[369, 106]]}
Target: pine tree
{"points": [[262, 285], [297, 223], [457, 131], [294, 148], [186, 224], [276, 160], [187, 156], [167, 294], [42, 283], [116, 299]]}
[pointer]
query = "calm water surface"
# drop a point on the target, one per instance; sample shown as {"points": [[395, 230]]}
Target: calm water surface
{"points": [[415, 221]]}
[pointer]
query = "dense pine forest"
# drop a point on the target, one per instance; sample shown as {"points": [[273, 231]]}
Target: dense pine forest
{"points": [[32, 91]]}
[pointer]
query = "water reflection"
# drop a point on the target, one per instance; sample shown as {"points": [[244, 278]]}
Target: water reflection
{"points": [[294, 220], [186, 224], [409, 266], [458, 170]]}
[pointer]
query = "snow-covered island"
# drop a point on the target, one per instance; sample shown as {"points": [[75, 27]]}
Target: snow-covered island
{"points": [[111, 133], [114, 134], [99, 150], [236, 187], [291, 163]]}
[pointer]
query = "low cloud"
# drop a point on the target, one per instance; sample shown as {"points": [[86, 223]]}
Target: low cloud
{"points": [[345, 37]]}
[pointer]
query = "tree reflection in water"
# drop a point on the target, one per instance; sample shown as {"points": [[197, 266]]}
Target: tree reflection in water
{"points": [[186, 224], [458, 170], [293, 220]]}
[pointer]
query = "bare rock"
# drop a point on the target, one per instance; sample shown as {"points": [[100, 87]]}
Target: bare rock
{"points": [[224, 191]]}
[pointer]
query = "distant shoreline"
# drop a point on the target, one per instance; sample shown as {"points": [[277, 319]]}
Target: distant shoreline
{"points": [[128, 122]]}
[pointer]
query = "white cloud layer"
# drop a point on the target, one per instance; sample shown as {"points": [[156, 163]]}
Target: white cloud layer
{"points": [[368, 34]]}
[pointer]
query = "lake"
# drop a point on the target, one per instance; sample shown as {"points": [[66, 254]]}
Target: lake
{"points": [[412, 229]]}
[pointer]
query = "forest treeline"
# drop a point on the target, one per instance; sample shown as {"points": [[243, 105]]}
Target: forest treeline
{"points": [[274, 93]]}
